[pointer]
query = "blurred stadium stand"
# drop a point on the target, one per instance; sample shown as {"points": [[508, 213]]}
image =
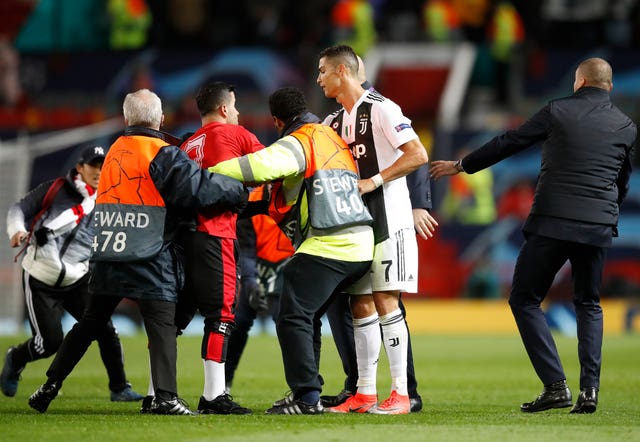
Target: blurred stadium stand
{"points": [[68, 85]]}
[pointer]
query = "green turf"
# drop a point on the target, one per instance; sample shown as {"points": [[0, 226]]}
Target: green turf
{"points": [[471, 385]]}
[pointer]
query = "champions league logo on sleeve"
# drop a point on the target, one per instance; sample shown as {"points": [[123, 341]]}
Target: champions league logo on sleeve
{"points": [[402, 126]]}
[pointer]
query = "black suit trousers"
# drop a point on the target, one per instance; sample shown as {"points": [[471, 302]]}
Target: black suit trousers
{"points": [[539, 261]]}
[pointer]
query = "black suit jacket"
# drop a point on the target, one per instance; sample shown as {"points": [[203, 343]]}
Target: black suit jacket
{"points": [[585, 168]]}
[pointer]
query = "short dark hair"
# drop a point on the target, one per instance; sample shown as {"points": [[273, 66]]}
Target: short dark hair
{"points": [[286, 103], [212, 95], [341, 54]]}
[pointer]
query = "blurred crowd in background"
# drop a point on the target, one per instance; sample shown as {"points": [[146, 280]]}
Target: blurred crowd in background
{"points": [[70, 25], [66, 63], [502, 30], [514, 38]]}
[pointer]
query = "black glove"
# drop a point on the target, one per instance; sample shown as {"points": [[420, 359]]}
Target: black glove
{"points": [[255, 208], [42, 235], [257, 298], [244, 201]]}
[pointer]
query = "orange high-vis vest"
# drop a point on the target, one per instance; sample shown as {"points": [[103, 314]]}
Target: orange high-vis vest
{"points": [[324, 149], [331, 180], [130, 212], [272, 244], [125, 173]]}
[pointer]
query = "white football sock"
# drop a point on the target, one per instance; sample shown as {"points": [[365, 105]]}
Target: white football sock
{"points": [[213, 379], [396, 337], [366, 333]]}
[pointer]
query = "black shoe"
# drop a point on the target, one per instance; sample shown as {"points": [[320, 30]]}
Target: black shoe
{"points": [[173, 406], [10, 375], [556, 395], [295, 406], [416, 403], [223, 404], [145, 408], [288, 399], [334, 401], [587, 401], [43, 396], [127, 394]]}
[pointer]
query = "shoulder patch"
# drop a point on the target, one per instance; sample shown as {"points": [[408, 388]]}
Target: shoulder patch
{"points": [[402, 126]]}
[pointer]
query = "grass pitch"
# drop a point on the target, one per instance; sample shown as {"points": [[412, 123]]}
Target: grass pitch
{"points": [[471, 386]]}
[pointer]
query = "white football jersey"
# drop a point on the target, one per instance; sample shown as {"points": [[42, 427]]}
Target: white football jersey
{"points": [[374, 129]]}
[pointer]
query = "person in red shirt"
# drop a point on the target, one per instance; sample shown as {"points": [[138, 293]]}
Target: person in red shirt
{"points": [[210, 247]]}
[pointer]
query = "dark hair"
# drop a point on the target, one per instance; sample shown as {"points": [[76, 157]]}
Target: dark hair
{"points": [[286, 103], [213, 95], [341, 54]]}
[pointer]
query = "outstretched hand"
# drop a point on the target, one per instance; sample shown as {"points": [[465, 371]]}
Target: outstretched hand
{"points": [[442, 168]]}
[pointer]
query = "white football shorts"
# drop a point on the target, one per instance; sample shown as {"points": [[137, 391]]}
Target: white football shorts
{"points": [[394, 267]]}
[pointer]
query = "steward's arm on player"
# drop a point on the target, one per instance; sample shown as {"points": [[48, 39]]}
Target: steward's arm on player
{"points": [[282, 159]]}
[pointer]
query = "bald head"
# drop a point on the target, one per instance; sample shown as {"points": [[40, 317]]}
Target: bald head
{"points": [[594, 72]]}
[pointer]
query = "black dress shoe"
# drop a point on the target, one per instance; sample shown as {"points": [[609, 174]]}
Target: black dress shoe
{"points": [[587, 401], [416, 403], [334, 401], [556, 395]]}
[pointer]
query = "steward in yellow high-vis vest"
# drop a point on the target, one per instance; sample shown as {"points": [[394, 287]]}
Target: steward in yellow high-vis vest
{"points": [[320, 181], [333, 237]]}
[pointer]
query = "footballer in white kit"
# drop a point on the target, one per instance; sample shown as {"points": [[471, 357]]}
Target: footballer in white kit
{"points": [[374, 130]]}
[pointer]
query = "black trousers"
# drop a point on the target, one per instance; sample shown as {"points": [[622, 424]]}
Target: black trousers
{"points": [[45, 307], [158, 319], [341, 323], [539, 260], [309, 283]]}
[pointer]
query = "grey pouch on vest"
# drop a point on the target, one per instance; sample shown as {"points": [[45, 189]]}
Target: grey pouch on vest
{"points": [[334, 200], [127, 232]]}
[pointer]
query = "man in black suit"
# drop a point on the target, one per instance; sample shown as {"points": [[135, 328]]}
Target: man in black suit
{"points": [[584, 177]]}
